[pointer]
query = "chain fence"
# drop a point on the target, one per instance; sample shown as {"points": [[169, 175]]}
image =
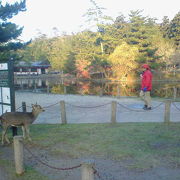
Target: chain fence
{"points": [[174, 104], [87, 106], [102, 176], [98, 106], [75, 113], [50, 166], [139, 110]]}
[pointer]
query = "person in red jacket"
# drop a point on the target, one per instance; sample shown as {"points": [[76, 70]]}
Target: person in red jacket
{"points": [[146, 86]]}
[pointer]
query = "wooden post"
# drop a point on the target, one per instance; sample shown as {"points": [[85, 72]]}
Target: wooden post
{"points": [[63, 112], [87, 171], [118, 91], [24, 106], [167, 111], [113, 111], [175, 92], [18, 154], [101, 92], [65, 90]]}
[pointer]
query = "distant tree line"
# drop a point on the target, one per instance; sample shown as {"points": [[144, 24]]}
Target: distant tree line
{"points": [[116, 48]]}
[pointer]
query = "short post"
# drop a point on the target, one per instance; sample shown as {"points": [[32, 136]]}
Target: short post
{"points": [[167, 111], [101, 92], [118, 91], [18, 154], [175, 92], [113, 111], [24, 106], [65, 90], [87, 171], [63, 113], [48, 89]]}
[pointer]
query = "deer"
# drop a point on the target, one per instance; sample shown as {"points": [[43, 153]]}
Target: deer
{"points": [[22, 119]]}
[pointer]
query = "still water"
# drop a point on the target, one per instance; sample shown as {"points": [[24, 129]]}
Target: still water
{"points": [[71, 86]]}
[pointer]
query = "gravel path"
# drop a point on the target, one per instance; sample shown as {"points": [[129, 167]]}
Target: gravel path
{"points": [[94, 109]]}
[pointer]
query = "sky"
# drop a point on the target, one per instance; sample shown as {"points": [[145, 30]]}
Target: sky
{"points": [[66, 15]]}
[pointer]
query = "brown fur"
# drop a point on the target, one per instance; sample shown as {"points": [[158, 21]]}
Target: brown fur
{"points": [[23, 119]]}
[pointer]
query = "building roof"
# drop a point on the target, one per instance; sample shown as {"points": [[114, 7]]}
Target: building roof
{"points": [[33, 64]]}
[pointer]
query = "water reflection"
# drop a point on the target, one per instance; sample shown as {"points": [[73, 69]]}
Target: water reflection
{"points": [[71, 86]]}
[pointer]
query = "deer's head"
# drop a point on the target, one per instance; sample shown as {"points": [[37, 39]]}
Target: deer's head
{"points": [[37, 108]]}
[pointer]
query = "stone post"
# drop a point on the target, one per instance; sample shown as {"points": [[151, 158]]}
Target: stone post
{"points": [[167, 111], [113, 111], [87, 172], [18, 154], [63, 113], [24, 106]]}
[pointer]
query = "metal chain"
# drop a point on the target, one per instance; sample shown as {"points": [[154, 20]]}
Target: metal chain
{"points": [[22, 106], [96, 173], [136, 110], [100, 177], [18, 108], [51, 105], [176, 106], [52, 167], [87, 106], [157, 106]]}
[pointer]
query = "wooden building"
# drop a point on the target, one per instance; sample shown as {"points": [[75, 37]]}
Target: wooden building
{"points": [[31, 68]]}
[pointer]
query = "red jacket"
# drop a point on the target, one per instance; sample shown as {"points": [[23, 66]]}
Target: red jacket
{"points": [[146, 80]]}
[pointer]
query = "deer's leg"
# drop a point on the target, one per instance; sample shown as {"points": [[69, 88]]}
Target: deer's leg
{"points": [[24, 132], [4, 135], [27, 131]]}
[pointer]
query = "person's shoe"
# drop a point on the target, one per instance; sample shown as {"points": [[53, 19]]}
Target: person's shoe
{"points": [[145, 107]]}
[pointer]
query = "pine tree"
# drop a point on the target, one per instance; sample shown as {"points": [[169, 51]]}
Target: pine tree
{"points": [[174, 29], [164, 26], [9, 32], [141, 31]]}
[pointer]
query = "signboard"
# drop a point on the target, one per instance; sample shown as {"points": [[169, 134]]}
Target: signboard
{"points": [[7, 95], [4, 66], [4, 78]]}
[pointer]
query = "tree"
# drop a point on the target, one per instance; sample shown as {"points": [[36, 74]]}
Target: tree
{"points": [[141, 31], [123, 60], [164, 26], [9, 32], [37, 50], [174, 29], [165, 49]]}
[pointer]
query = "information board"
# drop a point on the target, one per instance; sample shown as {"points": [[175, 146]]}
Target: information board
{"points": [[7, 95]]}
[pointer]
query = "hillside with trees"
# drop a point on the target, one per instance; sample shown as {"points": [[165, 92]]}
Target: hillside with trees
{"points": [[117, 48]]}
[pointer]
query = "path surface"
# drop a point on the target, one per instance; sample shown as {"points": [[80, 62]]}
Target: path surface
{"points": [[94, 109]]}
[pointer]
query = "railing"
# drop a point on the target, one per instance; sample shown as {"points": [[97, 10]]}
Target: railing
{"points": [[114, 105], [88, 170]]}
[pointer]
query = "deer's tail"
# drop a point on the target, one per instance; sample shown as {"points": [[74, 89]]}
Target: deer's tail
{"points": [[1, 120]]}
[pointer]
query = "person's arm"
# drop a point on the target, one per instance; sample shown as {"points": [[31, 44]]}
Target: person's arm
{"points": [[147, 81]]}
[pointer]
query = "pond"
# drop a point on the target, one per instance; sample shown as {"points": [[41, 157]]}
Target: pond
{"points": [[71, 86]]}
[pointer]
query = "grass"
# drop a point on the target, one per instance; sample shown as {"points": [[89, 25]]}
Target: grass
{"points": [[30, 174], [147, 144], [140, 145]]}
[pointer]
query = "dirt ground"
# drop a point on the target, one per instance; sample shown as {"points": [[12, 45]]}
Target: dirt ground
{"points": [[106, 168]]}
